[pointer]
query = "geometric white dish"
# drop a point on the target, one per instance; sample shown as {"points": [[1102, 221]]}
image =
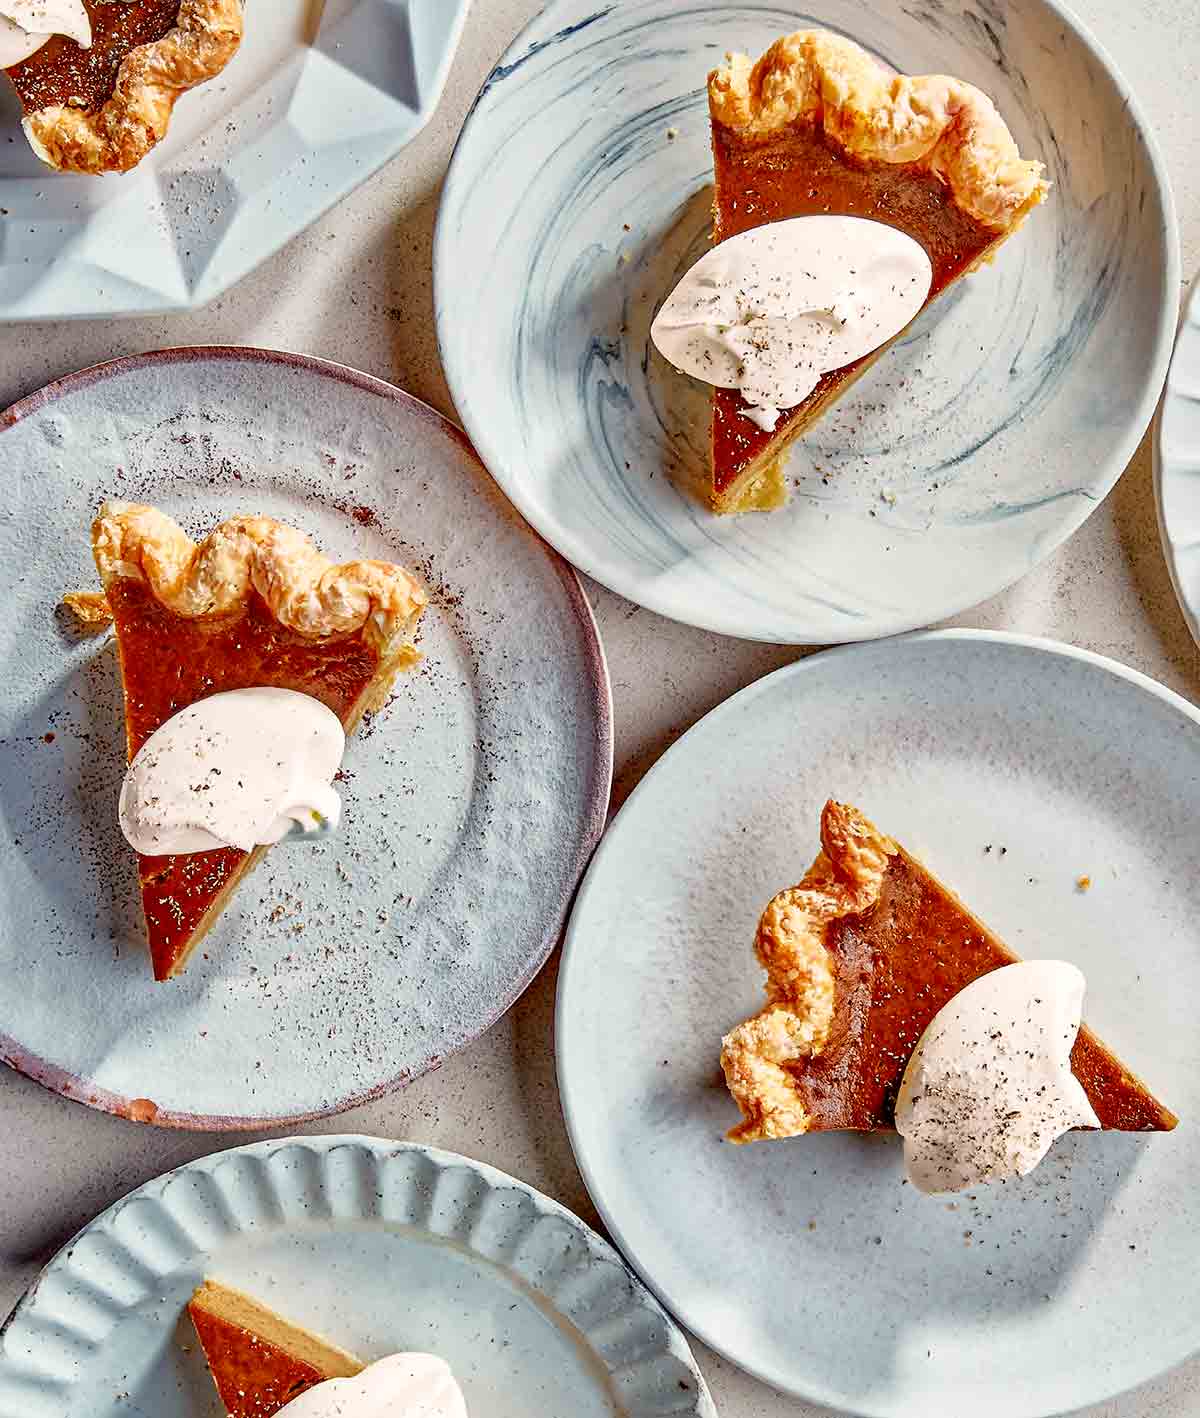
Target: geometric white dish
{"points": [[580, 191], [472, 800], [379, 1245], [319, 96], [1013, 767], [1177, 465]]}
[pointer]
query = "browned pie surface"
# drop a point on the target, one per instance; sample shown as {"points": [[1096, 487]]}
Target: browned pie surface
{"points": [[895, 966], [799, 173], [253, 1377], [170, 661], [63, 73]]}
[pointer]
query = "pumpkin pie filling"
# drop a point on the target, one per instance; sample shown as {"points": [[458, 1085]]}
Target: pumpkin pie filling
{"points": [[170, 661], [63, 73]]}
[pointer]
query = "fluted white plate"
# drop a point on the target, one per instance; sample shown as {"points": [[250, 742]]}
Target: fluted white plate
{"points": [[321, 94], [380, 1246], [1177, 465], [1013, 766], [579, 192], [473, 799]]}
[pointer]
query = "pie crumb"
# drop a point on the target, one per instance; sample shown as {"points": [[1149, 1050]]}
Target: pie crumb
{"points": [[90, 607], [1083, 883]]}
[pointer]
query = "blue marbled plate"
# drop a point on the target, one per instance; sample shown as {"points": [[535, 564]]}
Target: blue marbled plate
{"points": [[381, 1246], [1177, 465], [578, 193]]}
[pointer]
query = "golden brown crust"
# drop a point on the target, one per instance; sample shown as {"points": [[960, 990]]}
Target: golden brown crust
{"points": [[303, 589], [940, 123], [845, 880], [119, 134]]}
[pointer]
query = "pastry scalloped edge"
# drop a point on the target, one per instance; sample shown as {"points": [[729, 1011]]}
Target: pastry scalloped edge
{"points": [[943, 124], [845, 880], [117, 136], [303, 589]]}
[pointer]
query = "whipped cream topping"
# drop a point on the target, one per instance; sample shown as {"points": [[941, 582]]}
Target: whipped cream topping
{"points": [[239, 769], [400, 1386], [989, 1086], [25, 25], [770, 311]]}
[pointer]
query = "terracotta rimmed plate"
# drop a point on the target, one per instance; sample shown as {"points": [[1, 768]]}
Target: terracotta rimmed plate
{"points": [[473, 800], [380, 1245], [580, 191], [1013, 766]]}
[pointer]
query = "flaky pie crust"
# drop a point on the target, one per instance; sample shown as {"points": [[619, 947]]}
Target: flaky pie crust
{"points": [[303, 589], [845, 880], [117, 136], [940, 123]]}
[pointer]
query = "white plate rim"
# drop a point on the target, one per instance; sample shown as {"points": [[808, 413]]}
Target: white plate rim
{"points": [[384, 1149], [594, 814], [1189, 605], [591, 560], [571, 1113]]}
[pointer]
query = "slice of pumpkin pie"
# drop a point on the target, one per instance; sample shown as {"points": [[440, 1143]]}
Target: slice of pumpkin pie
{"points": [[860, 958], [254, 604]]}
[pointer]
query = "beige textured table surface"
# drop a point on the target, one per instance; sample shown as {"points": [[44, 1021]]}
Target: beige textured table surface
{"points": [[357, 288]]}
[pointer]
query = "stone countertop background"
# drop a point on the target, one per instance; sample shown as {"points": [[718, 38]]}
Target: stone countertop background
{"points": [[357, 288]]}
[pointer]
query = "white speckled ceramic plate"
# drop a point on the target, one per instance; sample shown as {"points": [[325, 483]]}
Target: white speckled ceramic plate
{"points": [[321, 94], [1177, 465], [959, 462], [379, 1245], [1012, 767], [473, 800]]}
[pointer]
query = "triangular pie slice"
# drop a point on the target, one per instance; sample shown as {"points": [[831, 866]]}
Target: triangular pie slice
{"points": [[255, 603], [859, 957], [816, 126], [101, 109], [259, 1361]]}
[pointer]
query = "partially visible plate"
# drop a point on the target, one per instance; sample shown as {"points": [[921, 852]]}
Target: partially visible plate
{"points": [[1177, 465], [579, 192], [321, 94], [381, 1246], [473, 800], [1013, 767]]}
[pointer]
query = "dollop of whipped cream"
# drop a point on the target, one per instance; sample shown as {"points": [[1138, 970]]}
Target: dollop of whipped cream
{"points": [[989, 1086], [400, 1386], [25, 25], [239, 769], [769, 311]]}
